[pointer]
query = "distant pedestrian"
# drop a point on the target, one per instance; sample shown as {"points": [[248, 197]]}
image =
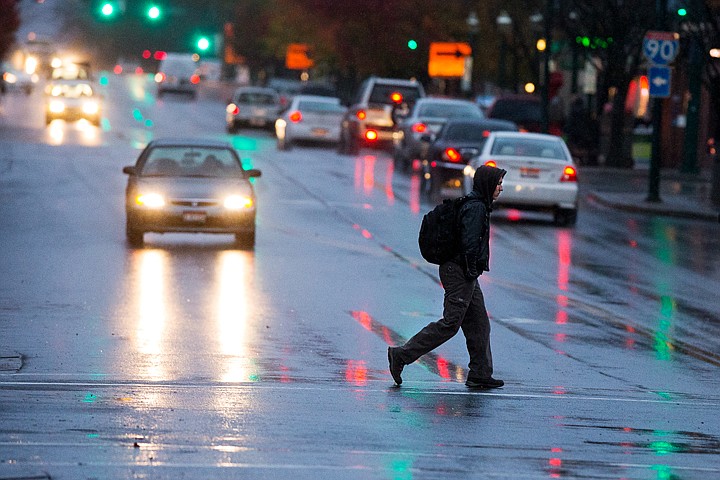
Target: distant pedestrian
{"points": [[464, 304]]}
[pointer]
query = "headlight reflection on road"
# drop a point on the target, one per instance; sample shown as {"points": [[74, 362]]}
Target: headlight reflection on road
{"points": [[232, 312], [152, 310]]}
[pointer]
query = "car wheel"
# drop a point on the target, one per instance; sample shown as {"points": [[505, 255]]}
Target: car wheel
{"points": [[565, 217], [245, 240], [342, 147], [135, 238]]}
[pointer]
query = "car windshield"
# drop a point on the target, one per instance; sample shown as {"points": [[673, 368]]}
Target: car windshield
{"points": [[191, 162], [256, 98], [71, 90], [449, 111], [524, 147], [382, 94], [466, 132], [315, 106]]}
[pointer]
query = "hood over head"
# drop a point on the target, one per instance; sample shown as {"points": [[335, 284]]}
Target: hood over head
{"points": [[485, 181]]}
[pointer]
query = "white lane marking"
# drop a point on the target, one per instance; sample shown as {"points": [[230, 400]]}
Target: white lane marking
{"points": [[325, 388]]}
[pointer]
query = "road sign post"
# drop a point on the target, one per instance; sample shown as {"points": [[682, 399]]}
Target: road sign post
{"points": [[660, 48]]}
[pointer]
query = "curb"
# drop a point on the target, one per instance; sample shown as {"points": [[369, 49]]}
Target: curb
{"points": [[656, 209]]}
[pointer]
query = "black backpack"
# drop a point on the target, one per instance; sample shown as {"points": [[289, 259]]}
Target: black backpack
{"points": [[438, 238]]}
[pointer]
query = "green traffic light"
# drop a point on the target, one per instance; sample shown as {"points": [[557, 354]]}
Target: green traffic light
{"points": [[203, 43], [153, 12], [412, 44], [107, 9], [682, 12]]}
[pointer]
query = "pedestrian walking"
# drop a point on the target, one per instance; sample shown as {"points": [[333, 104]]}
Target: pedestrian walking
{"points": [[464, 304]]}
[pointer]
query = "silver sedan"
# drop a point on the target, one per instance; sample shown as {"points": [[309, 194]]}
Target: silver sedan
{"points": [[309, 118], [194, 186]]}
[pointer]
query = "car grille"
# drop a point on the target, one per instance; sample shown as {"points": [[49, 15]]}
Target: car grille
{"points": [[194, 203]]}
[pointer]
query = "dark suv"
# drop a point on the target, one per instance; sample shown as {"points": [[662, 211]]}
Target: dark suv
{"points": [[369, 120]]}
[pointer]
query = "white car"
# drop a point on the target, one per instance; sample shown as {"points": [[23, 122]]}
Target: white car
{"points": [[541, 174], [309, 118]]}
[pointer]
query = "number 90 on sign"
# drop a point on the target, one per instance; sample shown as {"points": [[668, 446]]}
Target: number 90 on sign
{"points": [[660, 51]]}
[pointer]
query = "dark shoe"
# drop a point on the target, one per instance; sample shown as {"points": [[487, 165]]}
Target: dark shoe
{"points": [[489, 382], [396, 365]]}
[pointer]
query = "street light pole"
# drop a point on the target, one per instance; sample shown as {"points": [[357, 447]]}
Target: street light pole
{"points": [[656, 153], [473, 23], [546, 66], [504, 26]]}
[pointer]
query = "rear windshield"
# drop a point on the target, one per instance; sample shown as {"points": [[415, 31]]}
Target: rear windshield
{"points": [[449, 111], [179, 68], [382, 93], [528, 148], [256, 98], [191, 162], [466, 131], [312, 106]]}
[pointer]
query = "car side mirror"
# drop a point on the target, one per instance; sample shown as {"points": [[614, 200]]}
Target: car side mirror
{"points": [[253, 173], [130, 170]]}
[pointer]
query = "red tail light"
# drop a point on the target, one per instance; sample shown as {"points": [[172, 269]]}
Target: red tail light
{"points": [[491, 163], [419, 128], [195, 79], [396, 97], [295, 116], [371, 135], [452, 155], [569, 174], [360, 114]]}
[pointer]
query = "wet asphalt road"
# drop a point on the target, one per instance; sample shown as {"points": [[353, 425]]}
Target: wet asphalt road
{"points": [[190, 359]]}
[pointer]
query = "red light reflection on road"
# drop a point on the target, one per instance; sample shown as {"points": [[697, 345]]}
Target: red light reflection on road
{"points": [[356, 372]]}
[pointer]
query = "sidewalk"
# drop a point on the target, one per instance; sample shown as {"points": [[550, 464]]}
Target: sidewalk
{"points": [[681, 195]]}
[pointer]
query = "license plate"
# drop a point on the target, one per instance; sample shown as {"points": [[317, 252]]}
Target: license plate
{"points": [[257, 122], [194, 217], [530, 172], [320, 132]]}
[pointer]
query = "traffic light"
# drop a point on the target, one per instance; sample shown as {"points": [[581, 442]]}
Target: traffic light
{"points": [[153, 12], [682, 12], [108, 9], [412, 44], [203, 44]]}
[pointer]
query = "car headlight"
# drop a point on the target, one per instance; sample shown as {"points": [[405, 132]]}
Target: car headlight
{"points": [[238, 202], [150, 200], [90, 108], [469, 171], [56, 106]]}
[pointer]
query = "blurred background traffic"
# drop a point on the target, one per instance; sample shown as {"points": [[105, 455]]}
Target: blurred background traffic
{"points": [[625, 83]]}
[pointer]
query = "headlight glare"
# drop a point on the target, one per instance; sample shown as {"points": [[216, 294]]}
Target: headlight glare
{"points": [[150, 200], [238, 202], [56, 106], [90, 108]]}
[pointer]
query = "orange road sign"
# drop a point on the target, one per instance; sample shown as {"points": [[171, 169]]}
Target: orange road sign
{"points": [[447, 59], [297, 58]]}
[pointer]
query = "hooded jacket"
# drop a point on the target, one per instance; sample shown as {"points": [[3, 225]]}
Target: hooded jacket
{"points": [[474, 222]]}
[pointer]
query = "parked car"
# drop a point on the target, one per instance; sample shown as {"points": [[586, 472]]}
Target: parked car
{"points": [[369, 120], [197, 186], [253, 107], [449, 152], [72, 100], [427, 117], [541, 174], [309, 118], [178, 73]]}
